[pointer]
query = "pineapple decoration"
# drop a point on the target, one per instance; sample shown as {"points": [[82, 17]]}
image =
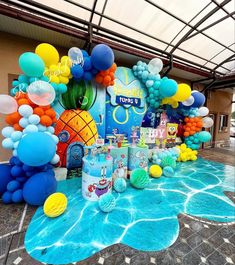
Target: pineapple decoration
{"points": [[75, 123]]}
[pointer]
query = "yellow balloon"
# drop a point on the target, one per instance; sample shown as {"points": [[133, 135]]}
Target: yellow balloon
{"points": [[174, 104], [64, 70], [48, 53], [55, 204], [54, 79], [183, 92], [63, 79], [65, 60]]}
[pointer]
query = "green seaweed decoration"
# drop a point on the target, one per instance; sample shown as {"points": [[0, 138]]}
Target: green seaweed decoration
{"points": [[80, 95]]}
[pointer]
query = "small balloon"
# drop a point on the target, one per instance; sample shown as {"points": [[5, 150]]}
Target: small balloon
{"points": [[41, 93], [8, 104], [76, 56], [188, 102], [155, 66], [203, 111]]}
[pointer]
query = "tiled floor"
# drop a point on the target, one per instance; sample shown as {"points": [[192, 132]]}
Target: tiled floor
{"points": [[199, 242]]}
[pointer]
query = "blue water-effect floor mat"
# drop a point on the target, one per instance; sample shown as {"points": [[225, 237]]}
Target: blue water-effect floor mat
{"points": [[143, 219]]}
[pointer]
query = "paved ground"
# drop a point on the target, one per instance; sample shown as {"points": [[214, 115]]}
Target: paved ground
{"points": [[199, 243]]}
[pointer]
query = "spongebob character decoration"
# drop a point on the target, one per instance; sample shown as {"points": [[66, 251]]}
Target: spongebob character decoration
{"points": [[172, 129]]}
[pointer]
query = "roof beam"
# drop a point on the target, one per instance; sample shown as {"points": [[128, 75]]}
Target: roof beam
{"points": [[225, 61], [221, 7]]}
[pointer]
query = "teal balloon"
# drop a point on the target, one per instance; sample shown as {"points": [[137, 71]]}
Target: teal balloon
{"points": [[204, 136], [31, 64], [168, 88]]}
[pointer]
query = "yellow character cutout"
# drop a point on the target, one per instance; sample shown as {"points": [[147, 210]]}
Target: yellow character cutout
{"points": [[172, 129]]}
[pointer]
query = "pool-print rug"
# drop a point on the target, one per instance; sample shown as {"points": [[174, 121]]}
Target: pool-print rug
{"points": [[142, 219]]}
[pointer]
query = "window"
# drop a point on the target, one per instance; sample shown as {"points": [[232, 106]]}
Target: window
{"points": [[223, 122]]}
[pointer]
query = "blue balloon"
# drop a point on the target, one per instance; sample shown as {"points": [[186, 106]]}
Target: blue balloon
{"points": [[36, 149], [5, 177], [87, 76], [168, 87], [17, 171], [7, 197], [38, 188], [17, 196], [77, 71], [199, 99], [84, 53], [87, 64], [13, 185], [204, 136], [31, 64], [102, 57]]}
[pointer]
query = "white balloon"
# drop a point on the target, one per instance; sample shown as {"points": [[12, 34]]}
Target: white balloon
{"points": [[41, 93], [76, 56], [207, 122], [203, 111], [155, 66], [189, 101], [55, 159], [8, 104]]}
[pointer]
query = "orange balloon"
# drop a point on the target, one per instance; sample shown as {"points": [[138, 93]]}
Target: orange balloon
{"points": [[46, 120], [99, 79], [113, 67], [192, 132], [186, 134], [199, 124], [23, 101], [107, 79], [51, 113], [187, 129], [13, 118], [45, 107], [198, 129], [39, 111], [186, 119]]}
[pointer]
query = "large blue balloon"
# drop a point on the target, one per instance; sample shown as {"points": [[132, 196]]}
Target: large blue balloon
{"points": [[39, 187], [36, 149], [102, 57], [31, 64], [168, 88], [204, 136], [5, 177], [199, 99]]}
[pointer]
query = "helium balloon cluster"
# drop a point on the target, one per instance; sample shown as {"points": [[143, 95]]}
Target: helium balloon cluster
{"points": [[100, 64], [192, 125], [24, 183], [186, 154], [191, 112]]}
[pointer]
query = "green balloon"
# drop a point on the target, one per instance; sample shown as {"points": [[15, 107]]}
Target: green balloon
{"points": [[31, 64], [139, 178]]}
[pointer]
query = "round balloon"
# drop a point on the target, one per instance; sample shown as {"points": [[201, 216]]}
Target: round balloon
{"points": [[204, 136], [183, 92], [31, 64], [168, 87], [48, 53], [8, 104], [102, 57], [203, 111], [36, 149], [41, 93], [207, 122], [76, 56], [188, 102], [155, 66], [199, 99]]}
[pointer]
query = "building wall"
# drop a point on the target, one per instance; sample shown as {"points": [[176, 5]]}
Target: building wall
{"points": [[11, 47]]}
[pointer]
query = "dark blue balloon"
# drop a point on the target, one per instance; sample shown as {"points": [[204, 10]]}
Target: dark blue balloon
{"points": [[39, 187], [13, 160], [21, 179], [199, 99], [27, 168], [13, 185], [17, 196], [36, 149], [7, 197], [102, 57], [77, 71], [5, 177], [17, 171], [87, 64], [94, 71], [84, 53]]}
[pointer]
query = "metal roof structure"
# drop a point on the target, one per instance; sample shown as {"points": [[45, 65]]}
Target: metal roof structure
{"points": [[188, 34]]}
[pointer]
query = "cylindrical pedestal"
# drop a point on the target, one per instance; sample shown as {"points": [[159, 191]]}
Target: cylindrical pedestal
{"points": [[96, 176], [137, 158], [120, 160]]}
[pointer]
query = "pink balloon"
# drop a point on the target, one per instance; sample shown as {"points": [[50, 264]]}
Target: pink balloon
{"points": [[8, 104]]}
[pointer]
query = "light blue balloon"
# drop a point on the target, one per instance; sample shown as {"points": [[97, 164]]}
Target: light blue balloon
{"points": [[15, 83], [31, 128], [44, 78], [23, 122], [51, 129], [149, 83], [16, 144], [168, 87], [7, 131], [34, 119], [31, 64], [23, 79], [145, 74], [25, 110], [41, 128], [16, 136], [62, 88], [8, 143], [36, 149]]}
